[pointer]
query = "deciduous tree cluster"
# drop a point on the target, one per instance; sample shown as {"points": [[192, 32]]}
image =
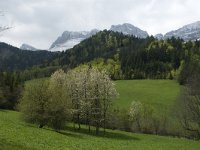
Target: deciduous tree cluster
{"points": [[83, 95]]}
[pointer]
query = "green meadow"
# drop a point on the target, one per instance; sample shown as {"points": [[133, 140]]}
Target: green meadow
{"points": [[15, 134], [160, 94]]}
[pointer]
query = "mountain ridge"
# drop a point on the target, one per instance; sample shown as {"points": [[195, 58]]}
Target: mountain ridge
{"points": [[187, 32], [68, 39]]}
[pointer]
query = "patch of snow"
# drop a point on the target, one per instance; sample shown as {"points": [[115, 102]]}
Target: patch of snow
{"points": [[67, 45]]}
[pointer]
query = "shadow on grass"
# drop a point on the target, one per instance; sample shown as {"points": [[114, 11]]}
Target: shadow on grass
{"points": [[108, 134], [2, 110], [69, 134], [76, 133], [63, 132]]}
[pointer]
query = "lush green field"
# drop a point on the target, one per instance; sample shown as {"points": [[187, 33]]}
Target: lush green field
{"points": [[160, 94], [17, 135]]}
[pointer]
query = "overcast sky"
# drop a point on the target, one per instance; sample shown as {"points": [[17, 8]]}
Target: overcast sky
{"points": [[40, 22]]}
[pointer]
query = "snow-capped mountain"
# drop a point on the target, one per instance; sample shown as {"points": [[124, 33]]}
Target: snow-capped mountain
{"points": [[187, 32], [28, 47], [129, 29], [69, 39], [159, 36]]}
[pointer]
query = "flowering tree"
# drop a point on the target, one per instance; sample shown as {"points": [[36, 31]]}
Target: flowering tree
{"points": [[91, 94], [85, 93]]}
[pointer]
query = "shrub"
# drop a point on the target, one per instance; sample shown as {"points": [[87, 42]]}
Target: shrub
{"points": [[45, 102], [34, 102]]}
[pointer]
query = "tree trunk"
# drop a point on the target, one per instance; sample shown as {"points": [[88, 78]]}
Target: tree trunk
{"points": [[97, 128], [89, 127], [104, 124], [88, 122], [73, 122], [79, 124]]}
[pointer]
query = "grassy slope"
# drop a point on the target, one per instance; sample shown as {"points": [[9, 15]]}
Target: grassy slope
{"points": [[17, 135], [161, 94]]}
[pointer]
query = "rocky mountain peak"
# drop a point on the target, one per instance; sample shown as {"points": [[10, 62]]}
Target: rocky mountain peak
{"points": [[129, 29], [69, 39]]}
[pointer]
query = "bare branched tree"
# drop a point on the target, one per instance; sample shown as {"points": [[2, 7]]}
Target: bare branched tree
{"points": [[3, 27], [189, 106]]}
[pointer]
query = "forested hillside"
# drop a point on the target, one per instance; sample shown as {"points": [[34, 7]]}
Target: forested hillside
{"points": [[128, 57], [124, 57], [12, 58], [12, 63]]}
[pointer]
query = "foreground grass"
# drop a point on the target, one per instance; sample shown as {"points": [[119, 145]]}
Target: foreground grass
{"points": [[161, 94], [17, 135]]}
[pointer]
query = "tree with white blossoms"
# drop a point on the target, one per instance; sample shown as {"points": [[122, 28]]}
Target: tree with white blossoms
{"points": [[74, 89], [142, 117], [84, 93], [135, 113], [91, 94], [103, 92]]}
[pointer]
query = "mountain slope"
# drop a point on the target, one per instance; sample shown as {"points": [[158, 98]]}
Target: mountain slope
{"points": [[102, 45], [187, 32], [129, 29], [14, 58], [69, 39], [28, 47]]}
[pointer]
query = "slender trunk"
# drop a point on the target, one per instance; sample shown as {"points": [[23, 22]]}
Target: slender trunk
{"points": [[89, 127], [73, 122], [104, 115], [97, 111], [104, 130], [104, 126], [97, 128], [138, 124], [79, 124], [88, 122]]}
